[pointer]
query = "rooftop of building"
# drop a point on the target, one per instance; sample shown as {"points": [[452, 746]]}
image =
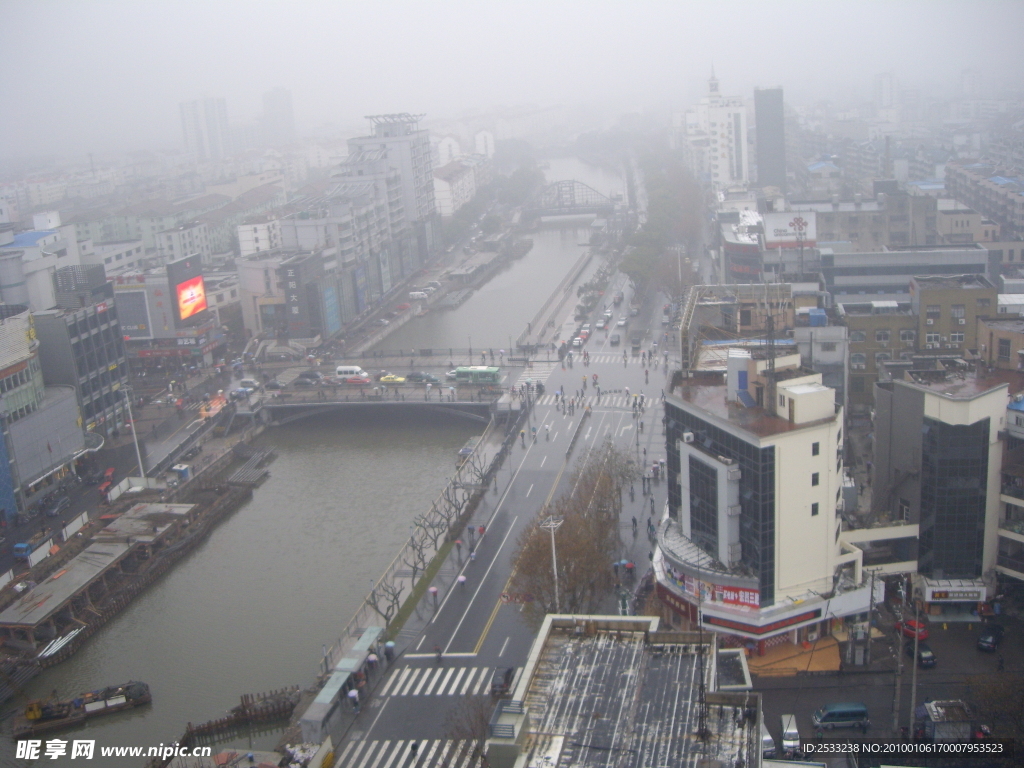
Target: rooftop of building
{"points": [[29, 239], [1010, 299], [1014, 326], [451, 171], [973, 281], [709, 393], [954, 378], [609, 685], [885, 307]]}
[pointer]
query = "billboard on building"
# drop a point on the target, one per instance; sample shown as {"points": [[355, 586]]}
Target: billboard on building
{"points": [[790, 230], [185, 280], [133, 311]]}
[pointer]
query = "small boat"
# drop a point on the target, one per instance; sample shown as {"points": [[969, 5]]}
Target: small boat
{"points": [[43, 716], [468, 449]]}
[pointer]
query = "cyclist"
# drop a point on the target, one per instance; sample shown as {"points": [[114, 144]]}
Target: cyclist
{"points": [[533, 431], [547, 431], [522, 436]]}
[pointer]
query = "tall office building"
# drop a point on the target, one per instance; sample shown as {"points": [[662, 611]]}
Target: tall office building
{"points": [[204, 125], [278, 117], [722, 124], [771, 138]]}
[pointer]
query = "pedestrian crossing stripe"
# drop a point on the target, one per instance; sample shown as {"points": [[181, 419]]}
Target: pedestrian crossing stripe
{"points": [[577, 359], [393, 753], [438, 681], [606, 401]]}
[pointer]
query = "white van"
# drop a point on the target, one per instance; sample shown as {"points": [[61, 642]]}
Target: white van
{"points": [[790, 736], [345, 371], [417, 295], [249, 384]]}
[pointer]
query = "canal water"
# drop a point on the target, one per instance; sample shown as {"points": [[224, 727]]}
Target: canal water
{"points": [[250, 609]]}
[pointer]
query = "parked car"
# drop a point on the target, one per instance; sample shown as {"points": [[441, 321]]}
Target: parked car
{"points": [[925, 657], [623, 322], [990, 638], [911, 629], [501, 680], [58, 506], [392, 379], [615, 340], [577, 342]]}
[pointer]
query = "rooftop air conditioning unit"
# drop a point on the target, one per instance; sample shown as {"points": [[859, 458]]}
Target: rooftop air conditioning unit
{"points": [[929, 321], [858, 366], [687, 437], [928, 346], [963, 321]]}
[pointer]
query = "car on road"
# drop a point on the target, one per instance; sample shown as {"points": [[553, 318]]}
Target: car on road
{"points": [[300, 382], [634, 311], [403, 306], [60, 505], [382, 321], [314, 375], [93, 477], [615, 340], [273, 384], [585, 329], [357, 379], [392, 379], [577, 342], [501, 680], [623, 322], [421, 377], [925, 657], [912, 629], [990, 638], [451, 375], [433, 284]]}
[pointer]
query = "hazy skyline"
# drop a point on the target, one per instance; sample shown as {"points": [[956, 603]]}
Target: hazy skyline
{"points": [[108, 76]]}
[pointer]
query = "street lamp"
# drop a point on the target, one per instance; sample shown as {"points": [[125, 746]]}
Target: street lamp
{"points": [[552, 524], [135, 432]]}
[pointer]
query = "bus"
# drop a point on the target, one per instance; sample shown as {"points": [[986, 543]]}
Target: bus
{"points": [[478, 374]]}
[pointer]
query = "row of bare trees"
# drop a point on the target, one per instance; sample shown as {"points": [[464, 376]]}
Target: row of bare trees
{"points": [[586, 543], [428, 532]]}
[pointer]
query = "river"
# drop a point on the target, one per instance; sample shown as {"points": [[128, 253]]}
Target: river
{"points": [[249, 609]]}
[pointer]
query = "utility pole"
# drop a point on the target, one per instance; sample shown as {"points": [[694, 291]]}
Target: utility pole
{"points": [[871, 616], [913, 678], [553, 523]]}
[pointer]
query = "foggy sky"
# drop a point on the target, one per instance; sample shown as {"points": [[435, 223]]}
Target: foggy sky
{"points": [[108, 76]]}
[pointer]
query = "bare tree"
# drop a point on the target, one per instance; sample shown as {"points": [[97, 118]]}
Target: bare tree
{"points": [[415, 554], [434, 528], [385, 599], [470, 721], [586, 543]]}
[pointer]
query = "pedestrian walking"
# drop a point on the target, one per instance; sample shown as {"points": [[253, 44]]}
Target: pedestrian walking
{"points": [[414, 748], [472, 556], [652, 504], [634, 522], [353, 697], [480, 530]]}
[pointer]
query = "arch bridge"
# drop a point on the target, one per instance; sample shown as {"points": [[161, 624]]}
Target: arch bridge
{"points": [[567, 198]]}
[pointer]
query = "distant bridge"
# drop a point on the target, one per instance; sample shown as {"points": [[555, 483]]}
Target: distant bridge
{"points": [[567, 198]]}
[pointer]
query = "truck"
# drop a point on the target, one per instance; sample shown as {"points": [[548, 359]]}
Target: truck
{"points": [[635, 341], [25, 548]]}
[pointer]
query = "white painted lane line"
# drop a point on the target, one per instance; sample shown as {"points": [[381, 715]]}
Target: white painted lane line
{"points": [[528, 490], [503, 646]]}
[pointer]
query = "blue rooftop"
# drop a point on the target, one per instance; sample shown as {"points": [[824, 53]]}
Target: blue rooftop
{"points": [[1016, 405], [29, 239]]}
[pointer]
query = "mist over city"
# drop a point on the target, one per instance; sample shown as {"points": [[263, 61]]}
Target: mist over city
{"points": [[511, 384]]}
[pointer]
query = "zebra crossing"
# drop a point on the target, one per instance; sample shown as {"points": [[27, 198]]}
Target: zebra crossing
{"points": [[605, 359], [606, 401], [394, 753], [439, 681]]}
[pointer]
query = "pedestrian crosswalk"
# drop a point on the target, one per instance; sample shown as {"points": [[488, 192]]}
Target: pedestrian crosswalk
{"points": [[438, 681], [613, 358], [394, 753], [605, 401]]}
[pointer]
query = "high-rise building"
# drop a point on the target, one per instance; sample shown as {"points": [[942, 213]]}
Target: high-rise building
{"points": [[406, 148], [719, 126], [204, 125], [755, 484], [771, 138], [278, 117]]}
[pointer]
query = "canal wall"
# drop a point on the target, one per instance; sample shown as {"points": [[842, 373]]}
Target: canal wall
{"points": [[555, 302]]}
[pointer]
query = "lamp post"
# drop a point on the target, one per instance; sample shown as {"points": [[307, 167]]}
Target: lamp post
{"points": [[552, 524], [135, 433]]}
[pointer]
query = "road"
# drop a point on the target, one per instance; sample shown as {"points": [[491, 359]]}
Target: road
{"points": [[475, 629]]}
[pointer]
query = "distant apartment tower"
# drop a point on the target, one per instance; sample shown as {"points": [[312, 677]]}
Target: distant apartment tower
{"points": [[278, 117], [406, 148], [771, 138], [204, 124], [721, 124]]}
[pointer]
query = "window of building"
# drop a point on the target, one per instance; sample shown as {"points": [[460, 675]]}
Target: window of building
{"points": [[828, 346], [957, 311], [882, 336], [908, 335], [931, 338], [987, 302], [1004, 349], [782, 401], [858, 359], [815, 449], [815, 478], [903, 510], [882, 357], [814, 509], [933, 311], [858, 336], [957, 338]]}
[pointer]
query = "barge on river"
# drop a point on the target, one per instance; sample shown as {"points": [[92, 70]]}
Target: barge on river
{"points": [[42, 717]]}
